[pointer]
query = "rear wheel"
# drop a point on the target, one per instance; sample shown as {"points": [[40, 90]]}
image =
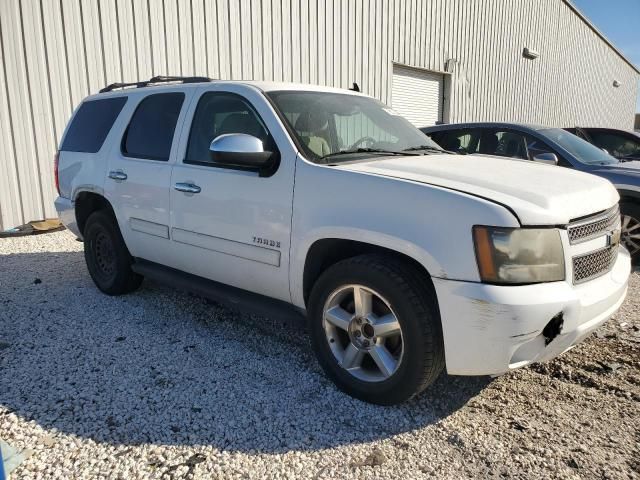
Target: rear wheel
{"points": [[630, 235], [375, 328], [107, 257]]}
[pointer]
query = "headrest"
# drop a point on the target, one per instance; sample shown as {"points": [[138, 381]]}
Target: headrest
{"points": [[311, 122]]}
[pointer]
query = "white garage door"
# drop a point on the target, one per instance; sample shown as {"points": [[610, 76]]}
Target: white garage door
{"points": [[417, 95]]}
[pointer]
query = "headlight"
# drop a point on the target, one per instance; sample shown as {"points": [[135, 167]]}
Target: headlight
{"points": [[518, 255]]}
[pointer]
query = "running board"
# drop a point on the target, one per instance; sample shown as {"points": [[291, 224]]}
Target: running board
{"points": [[232, 297]]}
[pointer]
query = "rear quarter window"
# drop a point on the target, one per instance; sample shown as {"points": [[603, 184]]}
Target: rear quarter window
{"points": [[91, 125]]}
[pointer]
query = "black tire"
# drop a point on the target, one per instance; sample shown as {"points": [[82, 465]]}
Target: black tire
{"points": [[632, 210], [107, 257], [412, 298]]}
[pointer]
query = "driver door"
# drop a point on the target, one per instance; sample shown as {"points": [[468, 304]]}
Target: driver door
{"points": [[234, 225]]}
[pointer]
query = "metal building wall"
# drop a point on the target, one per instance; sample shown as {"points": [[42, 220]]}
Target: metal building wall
{"points": [[55, 52]]}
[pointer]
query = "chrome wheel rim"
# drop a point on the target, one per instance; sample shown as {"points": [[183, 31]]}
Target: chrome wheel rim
{"points": [[363, 333], [630, 235]]}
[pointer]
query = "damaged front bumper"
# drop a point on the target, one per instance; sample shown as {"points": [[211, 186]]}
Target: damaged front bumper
{"points": [[491, 329]]}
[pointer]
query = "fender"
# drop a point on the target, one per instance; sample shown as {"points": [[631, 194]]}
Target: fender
{"points": [[629, 191], [405, 247], [431, 225], [87, 188]]}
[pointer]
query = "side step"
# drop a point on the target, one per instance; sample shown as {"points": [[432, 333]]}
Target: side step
{"points": [[232, 297]]}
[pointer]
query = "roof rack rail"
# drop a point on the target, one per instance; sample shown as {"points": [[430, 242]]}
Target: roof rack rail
{"points": [[154, 80]]}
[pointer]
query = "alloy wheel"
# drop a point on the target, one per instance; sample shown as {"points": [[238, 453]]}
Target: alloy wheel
{"points": [[630, 235], [363, 332]]}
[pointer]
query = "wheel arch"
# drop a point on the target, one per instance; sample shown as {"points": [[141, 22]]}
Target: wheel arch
{"points": [[627, 195], [325, 252], [87, 202]]}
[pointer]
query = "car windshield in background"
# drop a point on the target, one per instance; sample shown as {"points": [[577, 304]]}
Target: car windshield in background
{"points": [[334, 127], [581, 149], [623, 147]]}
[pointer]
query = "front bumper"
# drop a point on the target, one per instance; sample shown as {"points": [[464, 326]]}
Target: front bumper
{"points": [[491, 329], [67, 214]]}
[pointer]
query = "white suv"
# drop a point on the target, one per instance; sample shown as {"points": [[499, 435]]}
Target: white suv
{"points": [[405, 259]]}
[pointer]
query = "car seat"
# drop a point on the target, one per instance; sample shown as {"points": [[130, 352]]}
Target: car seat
{"points": [[489, 144], [311, 126]]}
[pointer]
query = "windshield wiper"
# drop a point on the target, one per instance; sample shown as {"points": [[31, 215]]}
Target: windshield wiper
{"points": [[369, 150], [630, 158], [429, 148]]}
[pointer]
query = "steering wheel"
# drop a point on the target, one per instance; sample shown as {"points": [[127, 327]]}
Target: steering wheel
{"points": [[364, 139]]}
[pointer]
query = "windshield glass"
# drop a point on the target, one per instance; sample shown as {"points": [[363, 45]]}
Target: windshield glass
{"points": [[334, 127], [620, 146], [581, 149]]}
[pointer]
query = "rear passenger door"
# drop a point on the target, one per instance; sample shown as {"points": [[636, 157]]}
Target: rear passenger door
{"points": [[139, 172]]}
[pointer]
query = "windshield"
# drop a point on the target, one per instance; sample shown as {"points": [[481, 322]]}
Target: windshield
{"points": [[620, 146], [334, 127], [581, 149]]}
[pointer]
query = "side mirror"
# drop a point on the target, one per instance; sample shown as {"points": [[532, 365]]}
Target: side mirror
{"points": [[547, 157], [239, 150]]}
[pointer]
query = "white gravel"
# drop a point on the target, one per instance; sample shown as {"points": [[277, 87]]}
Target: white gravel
{"points": [[163, 384]]}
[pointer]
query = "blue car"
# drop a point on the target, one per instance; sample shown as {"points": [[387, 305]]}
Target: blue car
{"points": [[553, 146]]}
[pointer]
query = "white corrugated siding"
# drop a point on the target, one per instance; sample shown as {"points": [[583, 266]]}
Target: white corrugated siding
{"points": [[417, 95], [55, 52]]}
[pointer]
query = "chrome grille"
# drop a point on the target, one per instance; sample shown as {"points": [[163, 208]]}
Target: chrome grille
{"points": [[594, 226], [594, 264]]}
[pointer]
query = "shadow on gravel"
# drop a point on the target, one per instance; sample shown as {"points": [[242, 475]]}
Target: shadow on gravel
{"points": [[166, 367]]}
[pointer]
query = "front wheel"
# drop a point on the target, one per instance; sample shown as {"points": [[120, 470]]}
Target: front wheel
{"points": [[375, 328], [630, 235]]}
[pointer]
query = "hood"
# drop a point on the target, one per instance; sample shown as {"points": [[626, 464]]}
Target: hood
{"points": [[539, 194], [623, 168]]}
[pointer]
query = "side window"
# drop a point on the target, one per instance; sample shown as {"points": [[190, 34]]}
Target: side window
{"points": [[435, 136], [512, 144], [218, 114], [488, 142], [536, 147], [91, 125], [460, 141], [504, 143], [150, 131]]}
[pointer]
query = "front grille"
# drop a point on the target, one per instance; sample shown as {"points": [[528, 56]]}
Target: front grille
{"points": [[594, 226], [594, 264]]}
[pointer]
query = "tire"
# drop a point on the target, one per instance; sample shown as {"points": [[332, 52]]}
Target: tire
{"points": [[631, 229], [107, 257], [404, 294]]}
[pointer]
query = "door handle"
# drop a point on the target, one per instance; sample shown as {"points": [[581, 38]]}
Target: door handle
{"points": [[187, 188], [117, 175]]}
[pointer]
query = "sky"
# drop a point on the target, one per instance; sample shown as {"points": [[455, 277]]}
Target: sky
{"points": [[619, 20]]}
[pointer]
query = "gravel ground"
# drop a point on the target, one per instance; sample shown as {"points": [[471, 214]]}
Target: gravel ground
{"points": [[163, 384]]}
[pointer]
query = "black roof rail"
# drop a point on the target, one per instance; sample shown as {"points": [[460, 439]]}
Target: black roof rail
{"points": [[154, 80]]}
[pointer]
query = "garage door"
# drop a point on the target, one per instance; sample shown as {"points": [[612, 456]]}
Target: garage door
{"points": [[417, 95]]}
